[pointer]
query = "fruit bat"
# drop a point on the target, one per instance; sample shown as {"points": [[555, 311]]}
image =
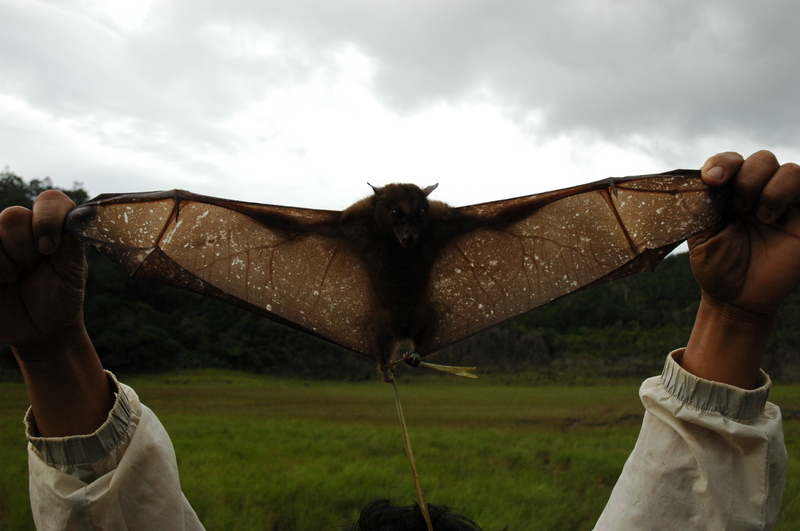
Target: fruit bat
{"points": [[398, 274]]}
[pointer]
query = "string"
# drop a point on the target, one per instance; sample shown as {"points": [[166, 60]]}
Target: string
{"points": [[458, 371], [410, 453], [415, 360]]}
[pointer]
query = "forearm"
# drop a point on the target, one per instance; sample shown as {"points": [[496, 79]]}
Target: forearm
{"points": [[124, 476], [709, 456], [67, 387], [727, 344]]}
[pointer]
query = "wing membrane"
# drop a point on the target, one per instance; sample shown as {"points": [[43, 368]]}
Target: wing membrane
{"points": [[286, 272], [572, 239]]}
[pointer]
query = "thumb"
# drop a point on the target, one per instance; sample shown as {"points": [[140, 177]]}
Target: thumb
{"points": [[49, 211]]}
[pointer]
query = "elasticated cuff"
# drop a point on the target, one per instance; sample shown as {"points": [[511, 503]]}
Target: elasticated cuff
{"points": [[727, 400], [76, 450]]}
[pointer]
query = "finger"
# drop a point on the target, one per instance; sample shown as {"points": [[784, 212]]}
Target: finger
{"points": [[49, 211], [19, 252], [751, 179], [782, 190], [721, 168]]}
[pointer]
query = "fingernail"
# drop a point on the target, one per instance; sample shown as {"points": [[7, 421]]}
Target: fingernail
{"points": [[716, 173], [763, 214], [45, 245]]}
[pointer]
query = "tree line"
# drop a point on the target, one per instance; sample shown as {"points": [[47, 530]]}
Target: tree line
{"points": [[624, 328]]}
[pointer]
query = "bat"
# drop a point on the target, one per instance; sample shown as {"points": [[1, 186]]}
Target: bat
{"points": [[397, 276]]}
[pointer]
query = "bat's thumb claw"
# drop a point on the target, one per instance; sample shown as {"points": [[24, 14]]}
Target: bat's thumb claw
{"points": [[412, 360]]}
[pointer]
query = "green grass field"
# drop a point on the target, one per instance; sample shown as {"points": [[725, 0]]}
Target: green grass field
{"points": [[265, 453]]}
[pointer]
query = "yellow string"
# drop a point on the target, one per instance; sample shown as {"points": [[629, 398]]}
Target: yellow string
{"points": [[410, 453], [415, 360], [459, 371]]}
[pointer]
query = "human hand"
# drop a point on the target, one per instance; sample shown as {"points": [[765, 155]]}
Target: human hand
{"points": [[746, 269], [751, 265], [42, 273], [42, 278]]}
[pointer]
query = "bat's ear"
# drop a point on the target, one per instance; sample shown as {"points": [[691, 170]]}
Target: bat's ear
{"points": [[428, 189], [376, 189]]}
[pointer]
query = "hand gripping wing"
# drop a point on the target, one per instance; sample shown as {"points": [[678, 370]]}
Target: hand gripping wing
{"points": [[295, 266]]}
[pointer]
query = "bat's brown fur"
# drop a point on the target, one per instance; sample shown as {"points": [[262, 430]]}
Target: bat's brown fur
{"points": [[398, 233]]}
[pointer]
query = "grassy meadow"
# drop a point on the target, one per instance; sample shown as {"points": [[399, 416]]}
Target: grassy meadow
{"points": [[265, 453]]}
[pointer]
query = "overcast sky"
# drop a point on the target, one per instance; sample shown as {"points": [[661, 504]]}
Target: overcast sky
{"points": [[302, 102]]}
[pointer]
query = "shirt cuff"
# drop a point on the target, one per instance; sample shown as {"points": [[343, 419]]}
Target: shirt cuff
{"points": [[705, 395], [76, 450]]}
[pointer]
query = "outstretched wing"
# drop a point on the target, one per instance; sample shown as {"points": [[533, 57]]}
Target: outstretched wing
{"points": [[289, 264], [280, 262], [532, 250]]}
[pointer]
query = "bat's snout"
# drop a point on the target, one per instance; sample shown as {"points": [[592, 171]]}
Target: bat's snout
{"points": [[408, 238]]}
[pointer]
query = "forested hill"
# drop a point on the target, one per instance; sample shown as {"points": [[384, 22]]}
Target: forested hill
{"points": [[624, 328]]}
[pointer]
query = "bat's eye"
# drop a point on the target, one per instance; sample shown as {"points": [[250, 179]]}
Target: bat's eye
{"points": [[397, 214], [423, 211]]}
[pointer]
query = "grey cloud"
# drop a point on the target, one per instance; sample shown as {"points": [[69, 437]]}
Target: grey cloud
{"points": [[173, 80], [615, 68], [682, 69]]}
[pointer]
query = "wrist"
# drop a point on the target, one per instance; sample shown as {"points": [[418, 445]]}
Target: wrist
{"points": [[63, 344], [68, 389], [727, 343]]}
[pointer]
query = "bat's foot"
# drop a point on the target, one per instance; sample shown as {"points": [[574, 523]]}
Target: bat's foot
{"points": [[387, 372]]}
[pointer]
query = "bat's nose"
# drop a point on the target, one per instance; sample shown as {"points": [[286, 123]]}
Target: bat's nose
{"points": [[408, 238]]}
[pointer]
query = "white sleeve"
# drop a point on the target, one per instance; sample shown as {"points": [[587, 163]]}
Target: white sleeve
{"points": [[122, 477], [709, 456]]}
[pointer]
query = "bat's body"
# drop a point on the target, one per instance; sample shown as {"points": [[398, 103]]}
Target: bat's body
{"points": [[394, 232], [396, 273]]}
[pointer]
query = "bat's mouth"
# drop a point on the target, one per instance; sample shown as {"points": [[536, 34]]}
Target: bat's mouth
{"points": [[407, 240]]}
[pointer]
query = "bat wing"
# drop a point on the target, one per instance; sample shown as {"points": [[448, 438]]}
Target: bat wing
{"points": [[532, 250], [272, 260]]}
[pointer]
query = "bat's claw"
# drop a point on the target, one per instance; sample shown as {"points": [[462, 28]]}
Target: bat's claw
{"points": [[412, 360]]}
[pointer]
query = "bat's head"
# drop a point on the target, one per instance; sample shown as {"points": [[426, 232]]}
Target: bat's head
{"points": [[403, 211]]}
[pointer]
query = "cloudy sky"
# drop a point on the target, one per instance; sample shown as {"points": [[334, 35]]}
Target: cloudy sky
{"points": [[302, 102]]}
